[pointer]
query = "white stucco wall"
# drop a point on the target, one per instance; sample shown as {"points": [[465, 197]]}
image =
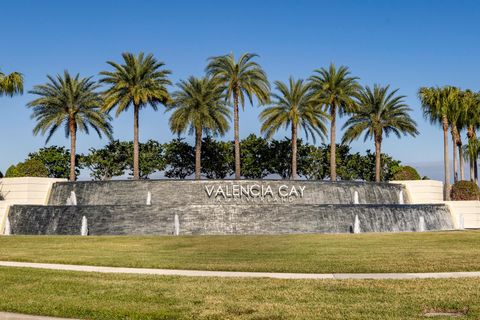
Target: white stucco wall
{"points": [[23, 191], [465, 214]]}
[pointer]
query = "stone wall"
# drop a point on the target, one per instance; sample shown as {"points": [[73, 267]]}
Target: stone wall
{"points": [[182, 192], [226, 219], [23, 191]]}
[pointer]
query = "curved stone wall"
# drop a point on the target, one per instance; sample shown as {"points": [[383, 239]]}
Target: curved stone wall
{"points": [[181, 192], [226, 219]]}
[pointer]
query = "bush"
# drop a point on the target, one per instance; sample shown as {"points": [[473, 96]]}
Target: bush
{"points": [[465, 190], [29, 168], [406, 173]]}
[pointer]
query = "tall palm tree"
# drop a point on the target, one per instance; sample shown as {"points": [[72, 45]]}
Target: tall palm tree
{"points": [[140, 81], [471, 120], [11, 84], [71, 102], [379, 111], [243, 79], [334, 89], [454, 115], [436, 103], [199, 106], [293, 107]]}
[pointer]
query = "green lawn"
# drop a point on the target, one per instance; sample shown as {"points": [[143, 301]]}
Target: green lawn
{"points": [[108, 296], [387, 252]]}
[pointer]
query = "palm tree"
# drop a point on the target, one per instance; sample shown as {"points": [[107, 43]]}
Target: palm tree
{"points": [[454, 115], [199, 106], [470, 102], [293, 107], [242, 79], [140, 81], [379, 112], [11, 84], [334, 89], [71, 102], [436, 103]]}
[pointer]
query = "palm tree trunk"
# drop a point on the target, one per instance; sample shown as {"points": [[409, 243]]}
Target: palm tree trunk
{"points": [[294, 151], [136, 171], [73, 147], [460, 158], [236, 134], [378, 154], [446, 187], [455, 141], [333, 147], [472, 171], [198, 153], [475, 170], [471, 162], [455, 171]]}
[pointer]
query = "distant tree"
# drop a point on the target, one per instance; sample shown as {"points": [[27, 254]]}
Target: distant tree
{"points": [[316, 163], [11, 84], [255, 157], [217, 158], [199, 107], [108, 162], [389, 167], [293, 109], [71, 103], [57, 161], [140, 81], [152, 158], [180, 159], [379, 113], [335, 90], [29, 168], [243, 79]]}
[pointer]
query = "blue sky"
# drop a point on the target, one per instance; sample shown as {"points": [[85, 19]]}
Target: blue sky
{"points": [[406, 44]]}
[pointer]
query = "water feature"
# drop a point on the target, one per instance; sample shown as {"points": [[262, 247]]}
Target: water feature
{"points": [[72, 199], [84, 228], [355, 197], [149, 198], [126, 207], [421, 224], [176, 225], [8, 228], [400, 197], [356, 225]]}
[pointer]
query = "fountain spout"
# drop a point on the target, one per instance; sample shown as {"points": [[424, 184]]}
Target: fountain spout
{"points": [[8, 228], [355, 198], [84, 228], [72, 200], [356, 225], [149, 198], [401, 200]]}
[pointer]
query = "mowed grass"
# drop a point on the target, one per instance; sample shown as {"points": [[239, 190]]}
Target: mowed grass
{"points": [[363, 253], [109, 296]]}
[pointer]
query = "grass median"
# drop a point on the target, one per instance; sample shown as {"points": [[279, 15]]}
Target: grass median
{"points": [[363, 253], [108, 296]]}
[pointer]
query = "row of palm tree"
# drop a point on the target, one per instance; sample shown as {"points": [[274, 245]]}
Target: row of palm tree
{"points": [[456, 110], [200, 105]]}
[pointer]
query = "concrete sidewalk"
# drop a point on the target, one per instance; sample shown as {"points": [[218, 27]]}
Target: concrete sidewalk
{"points": [[234, 274], [19, 316]]}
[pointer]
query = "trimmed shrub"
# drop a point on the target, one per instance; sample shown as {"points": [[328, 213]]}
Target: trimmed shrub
{"points": [[29, 168], [406, 173], [465, 190]]}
